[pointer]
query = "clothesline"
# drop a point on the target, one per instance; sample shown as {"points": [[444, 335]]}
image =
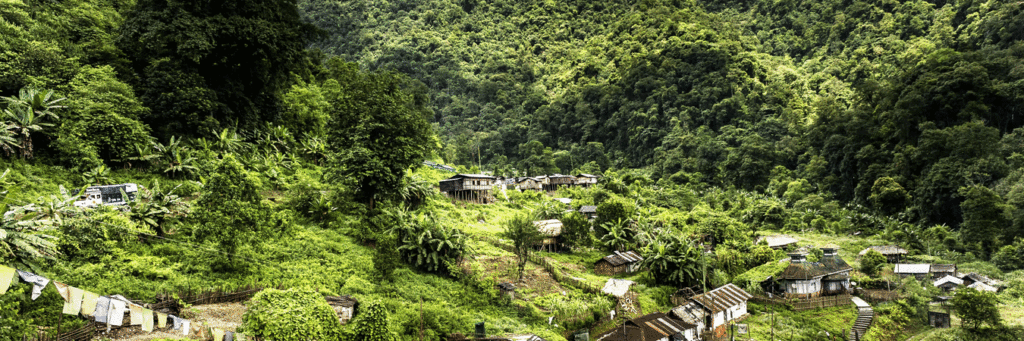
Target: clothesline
{"points": [[103, 309]]}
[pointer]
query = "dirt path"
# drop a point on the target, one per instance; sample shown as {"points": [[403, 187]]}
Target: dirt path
{"points": [[226, 316]]}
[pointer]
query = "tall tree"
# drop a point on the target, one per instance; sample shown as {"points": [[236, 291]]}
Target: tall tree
{"points": [[231, 212], [378, 130], [985, 217], [976, 307], [524, 235], [212, 63]]}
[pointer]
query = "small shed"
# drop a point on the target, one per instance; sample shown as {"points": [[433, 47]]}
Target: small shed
{"points": [[617, 287], [617, 263], [552, 231], [892, 253], [919, 271], [981, 286], [778, 242], [943, 270], [344, 307], [507, 289], [948, 283], [974, 277], [586, 180], [589, 211], [938, 320]]}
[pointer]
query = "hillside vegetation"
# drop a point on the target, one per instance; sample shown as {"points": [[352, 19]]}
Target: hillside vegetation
{"points": [[280, 142]]}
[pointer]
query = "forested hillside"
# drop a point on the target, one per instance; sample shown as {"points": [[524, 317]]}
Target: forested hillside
{"points": [[897, 103], [281, 143]]}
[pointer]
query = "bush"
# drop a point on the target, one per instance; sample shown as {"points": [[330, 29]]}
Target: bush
{"points": [[291, 314], [871, 262]]}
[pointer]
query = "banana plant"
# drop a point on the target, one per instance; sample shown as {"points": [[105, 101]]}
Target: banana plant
{"points": [[153, 207], [24, 238], [97, 176]]}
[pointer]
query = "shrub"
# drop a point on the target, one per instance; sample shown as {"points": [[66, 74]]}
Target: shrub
{"points": [[291, 314], [871, 262]]}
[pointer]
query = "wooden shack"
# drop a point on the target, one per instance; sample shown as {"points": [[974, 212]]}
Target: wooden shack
{"points": [[585, 180], [948, 283], [552, 232], [892, 253], [528, 184], [589, 211], [919, 271], [617, 263], [721, 306], [558, 180], [344, 307], [475, 188], [943, 270]]}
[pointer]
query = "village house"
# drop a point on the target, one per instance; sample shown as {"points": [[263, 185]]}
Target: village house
{"points": [[829, 276], [974, 277], [777, 242], [981, 286], [943, 270], [528, 184], [475, 188], [344, 307], [589, 211], [555, 181], [948, 283], [586, 180], [651, 327], [552, 231], [617, 263], [892, 253], [919, 271], [711, 312]]}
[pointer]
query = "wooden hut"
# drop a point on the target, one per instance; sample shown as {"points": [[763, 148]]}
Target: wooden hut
{"points": [[585, 180], [617, 263], [919, 271], [552, 232], [528, 184], [892, 253], [475, 188], [973, 277], [344, 307], [943, 270], [948, 283], [558, 180], [589, 211]]}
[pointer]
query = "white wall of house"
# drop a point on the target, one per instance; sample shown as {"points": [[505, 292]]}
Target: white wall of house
{"points": [[809, 286]]}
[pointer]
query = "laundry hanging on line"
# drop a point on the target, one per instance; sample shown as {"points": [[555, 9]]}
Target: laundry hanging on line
{"points": [[38, 282], [6, 277]]}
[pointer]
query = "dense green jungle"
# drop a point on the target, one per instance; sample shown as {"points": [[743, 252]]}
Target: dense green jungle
{"points": [[280, 143]]}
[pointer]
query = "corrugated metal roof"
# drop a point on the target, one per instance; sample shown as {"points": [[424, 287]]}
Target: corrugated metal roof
{"points": [[586, 176], [620, 258], [948, 279], [648, 327], [472, 176], [981, 286], [588, 209], [720, 299], [943, 267], [885, 250], [691, 312], [912, 268], [550, 228], [776, 241]]}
